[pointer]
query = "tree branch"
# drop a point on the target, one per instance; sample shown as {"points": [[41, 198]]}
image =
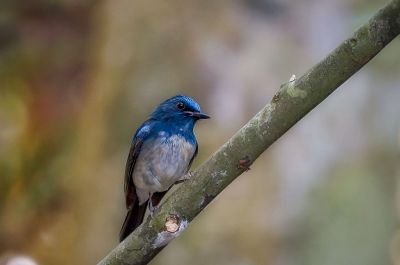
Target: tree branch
{"points": [[292, 102]]}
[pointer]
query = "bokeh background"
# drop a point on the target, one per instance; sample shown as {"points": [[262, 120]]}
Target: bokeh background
{"points": [[78, 77]]}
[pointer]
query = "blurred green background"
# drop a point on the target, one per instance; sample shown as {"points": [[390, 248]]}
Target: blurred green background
{"points": [[78, 77]]}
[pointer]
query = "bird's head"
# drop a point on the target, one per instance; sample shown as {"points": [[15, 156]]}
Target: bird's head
{"points": [[179, 108]]}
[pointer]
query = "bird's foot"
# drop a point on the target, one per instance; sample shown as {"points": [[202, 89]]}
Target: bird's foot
{"points": [[185, 177], [152, 209]]}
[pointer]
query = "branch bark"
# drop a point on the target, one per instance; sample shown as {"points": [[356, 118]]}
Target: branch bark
{"points": [[292, 102]]}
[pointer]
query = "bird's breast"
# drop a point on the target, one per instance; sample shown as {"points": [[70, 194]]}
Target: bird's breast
{"points": [[163, 161]]}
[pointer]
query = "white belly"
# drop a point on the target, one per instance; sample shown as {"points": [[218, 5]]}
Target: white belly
{"points": [[160, 164]]}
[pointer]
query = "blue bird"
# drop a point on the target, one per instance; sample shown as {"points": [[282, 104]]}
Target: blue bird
{"points": [[161, 153]]}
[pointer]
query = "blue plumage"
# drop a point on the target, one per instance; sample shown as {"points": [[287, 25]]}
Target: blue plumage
{"points": [[161, 153]]}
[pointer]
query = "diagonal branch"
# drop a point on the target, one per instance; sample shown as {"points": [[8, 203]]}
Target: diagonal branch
{"points": [[292, 102]]}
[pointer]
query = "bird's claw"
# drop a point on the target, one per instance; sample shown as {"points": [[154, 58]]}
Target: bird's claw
{"points": [[152, 208], [185, 177]]}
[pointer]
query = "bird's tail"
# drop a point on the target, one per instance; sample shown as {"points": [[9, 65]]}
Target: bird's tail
{"points": [[133, 219]]}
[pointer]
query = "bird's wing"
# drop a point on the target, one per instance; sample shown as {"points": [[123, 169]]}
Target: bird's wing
{"points": [[137, 142], [194, 155]]}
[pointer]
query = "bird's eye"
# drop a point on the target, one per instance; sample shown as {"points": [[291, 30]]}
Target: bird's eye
{"points": [[180, 105]]}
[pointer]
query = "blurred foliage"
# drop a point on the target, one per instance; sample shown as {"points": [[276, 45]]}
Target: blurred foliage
{"points": [[77, 78], [42, 72], [345, 223]]}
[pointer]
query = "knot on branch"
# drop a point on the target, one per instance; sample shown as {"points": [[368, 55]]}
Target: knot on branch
{"points": [[244, 163], [174, 225]]}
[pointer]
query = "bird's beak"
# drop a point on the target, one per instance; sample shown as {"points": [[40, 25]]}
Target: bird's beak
{"points": [[198, 115]]}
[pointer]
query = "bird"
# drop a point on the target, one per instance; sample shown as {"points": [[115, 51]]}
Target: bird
{"points": [[161, 153]]}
